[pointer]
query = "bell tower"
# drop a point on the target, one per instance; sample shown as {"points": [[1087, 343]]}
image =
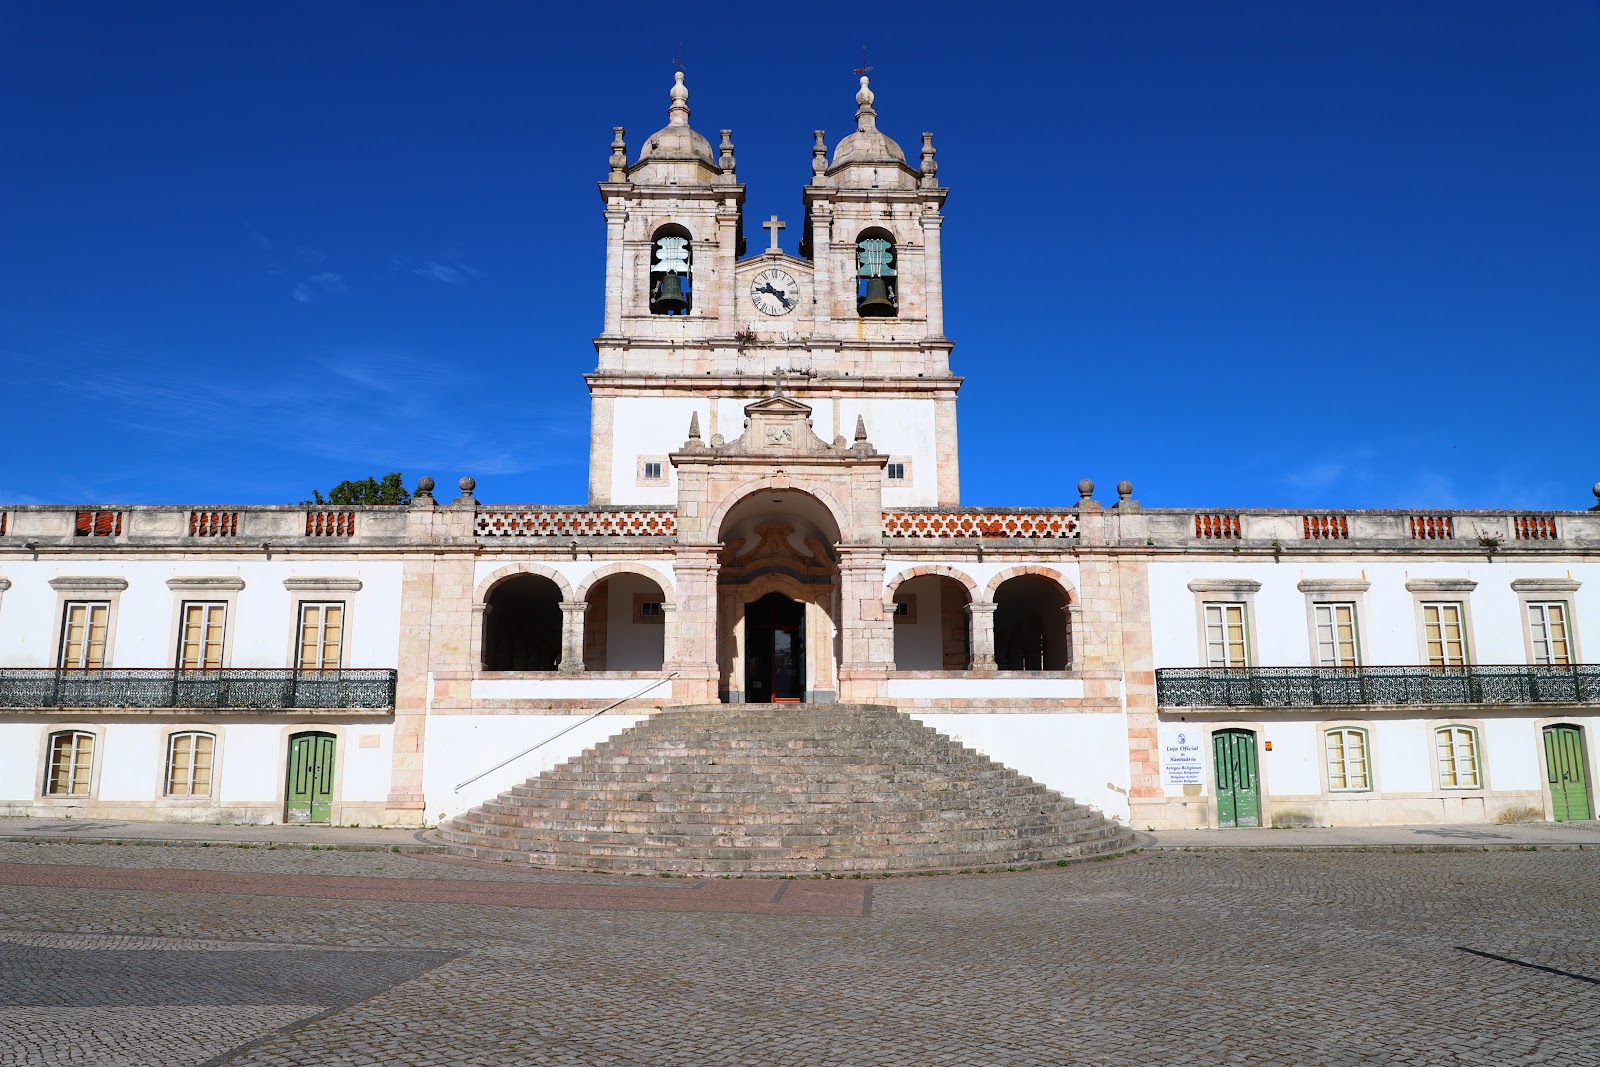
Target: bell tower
{"points": [[851, 322]]}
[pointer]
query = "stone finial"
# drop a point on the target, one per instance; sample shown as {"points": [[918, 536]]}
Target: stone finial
{"points": [[619, 155], [1124, 490], [1596, 491], [930, 169], [467, 484], [819, 155], [1085, 489], [694, 444], [861, 422], [866, 118], [726, 148], [678, 112], [423, 497]]}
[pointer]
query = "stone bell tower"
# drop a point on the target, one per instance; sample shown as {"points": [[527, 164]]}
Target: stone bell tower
{"points": [[851, 324]]}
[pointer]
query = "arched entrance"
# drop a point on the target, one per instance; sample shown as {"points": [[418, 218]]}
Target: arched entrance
{"points": [[778, 600]]}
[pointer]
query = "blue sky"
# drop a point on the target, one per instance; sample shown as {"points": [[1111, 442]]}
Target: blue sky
{"points": [[1243, 254]]}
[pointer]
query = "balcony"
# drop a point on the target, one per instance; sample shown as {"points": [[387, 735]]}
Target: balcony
{"points": [[240, 690], [1316, 687]]}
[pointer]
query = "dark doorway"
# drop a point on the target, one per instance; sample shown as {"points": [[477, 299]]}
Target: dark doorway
{"points": [[775, 653]]}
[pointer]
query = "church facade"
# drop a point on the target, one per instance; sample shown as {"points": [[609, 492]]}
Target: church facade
{"points": [[774, 517]]}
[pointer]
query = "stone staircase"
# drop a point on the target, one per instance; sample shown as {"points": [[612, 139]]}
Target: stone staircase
{"points": [[781, 788]]}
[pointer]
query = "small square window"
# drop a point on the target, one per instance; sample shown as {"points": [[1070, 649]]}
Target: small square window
{"points": [[905, 608], [896, 472], [652, 471], [648, 607]]}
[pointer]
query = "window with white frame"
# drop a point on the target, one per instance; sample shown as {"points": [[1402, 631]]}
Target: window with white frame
{"points": [[896, 472], [1349, 760], [1225, 635], [1445, 635], [69, 764], [83, 635], [200, 636], [1547, 631], [321, 636], [1457, 750], [189, 760], [1337, 645]]}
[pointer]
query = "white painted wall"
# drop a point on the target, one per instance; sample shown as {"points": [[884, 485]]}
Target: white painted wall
{"points": [[461, 746], [919, 640], [630, 645], [249, 763], [1387, 611], [1084, 756], [144, 627]]}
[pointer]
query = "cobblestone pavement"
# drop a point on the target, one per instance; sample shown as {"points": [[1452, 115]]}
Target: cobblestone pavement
{"points": [[1302, 958]]}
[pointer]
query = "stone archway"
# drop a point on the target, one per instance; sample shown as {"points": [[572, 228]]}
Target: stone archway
{"points": [[778, 541]]}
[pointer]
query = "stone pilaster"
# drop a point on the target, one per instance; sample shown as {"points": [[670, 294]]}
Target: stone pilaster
{"points": [[866, 628], [435, 636], [982, 615], [693, 632]]}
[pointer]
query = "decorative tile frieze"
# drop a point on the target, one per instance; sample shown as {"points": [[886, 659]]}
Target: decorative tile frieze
{"points": [[577, 522], [1018, 524]]}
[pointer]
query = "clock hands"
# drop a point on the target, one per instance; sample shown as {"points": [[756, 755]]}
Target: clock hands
{"points": [[766, 287]]}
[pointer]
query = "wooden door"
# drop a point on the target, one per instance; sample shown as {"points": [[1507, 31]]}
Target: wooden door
{"points": [[1566, 772], [1238, 784], [309, 790]]}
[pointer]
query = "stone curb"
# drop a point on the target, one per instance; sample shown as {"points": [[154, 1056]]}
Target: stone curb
{"points": [[418, 846], [1509, 846]]}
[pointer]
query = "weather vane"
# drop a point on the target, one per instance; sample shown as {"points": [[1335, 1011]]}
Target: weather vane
{"points": [[679, 61], [863, 68]]}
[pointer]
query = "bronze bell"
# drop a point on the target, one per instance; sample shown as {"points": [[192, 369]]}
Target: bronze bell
{"points": [[877, 301], [669, 298]]}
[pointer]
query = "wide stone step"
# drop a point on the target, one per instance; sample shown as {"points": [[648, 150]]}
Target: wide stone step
{"points": [[732, 789]]}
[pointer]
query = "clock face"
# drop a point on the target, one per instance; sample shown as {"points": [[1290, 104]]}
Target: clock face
{"points": [[775, 292]]}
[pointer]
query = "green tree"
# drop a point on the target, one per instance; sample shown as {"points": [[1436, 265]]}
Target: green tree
{"points": [[391, 490]]}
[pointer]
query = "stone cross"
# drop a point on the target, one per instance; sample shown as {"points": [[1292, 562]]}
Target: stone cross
{"points": [[774, 225], [777, 380]]}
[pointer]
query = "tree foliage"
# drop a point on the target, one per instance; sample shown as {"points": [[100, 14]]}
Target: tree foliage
{"points": [[391, 490]]}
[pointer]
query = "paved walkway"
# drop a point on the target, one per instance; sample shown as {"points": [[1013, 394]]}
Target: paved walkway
{"points": [[1470, 837], [290, 957]]}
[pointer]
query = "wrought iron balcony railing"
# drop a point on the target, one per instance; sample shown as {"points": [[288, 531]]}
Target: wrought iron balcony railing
{"points": [[240, 689], [1311, 687]]}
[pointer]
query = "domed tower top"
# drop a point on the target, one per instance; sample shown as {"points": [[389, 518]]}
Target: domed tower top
{"points": [[868, 144], [676, 142]]}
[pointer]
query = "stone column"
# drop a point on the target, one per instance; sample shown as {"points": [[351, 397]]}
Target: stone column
{"points": [[1074, 614], [982, 615], [867, 655], [572, 636], [694, 640]]}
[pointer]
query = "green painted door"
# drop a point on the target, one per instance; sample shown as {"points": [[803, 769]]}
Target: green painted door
{"points": [[310, 788], [1238, 785], [1564, 767]]}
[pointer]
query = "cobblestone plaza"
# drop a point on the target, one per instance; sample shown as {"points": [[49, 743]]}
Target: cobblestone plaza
{"points": [[128, 955]]}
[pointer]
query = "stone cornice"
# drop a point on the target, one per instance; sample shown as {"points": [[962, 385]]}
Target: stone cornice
{"points": [[1545, 585], [1334, 585], [96, 584], [1441, 585], [317, 583], [1224, 585], [205, 583]]}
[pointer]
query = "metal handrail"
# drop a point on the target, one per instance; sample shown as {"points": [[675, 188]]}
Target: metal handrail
{"points": [[567, 730], [1300, 687]]}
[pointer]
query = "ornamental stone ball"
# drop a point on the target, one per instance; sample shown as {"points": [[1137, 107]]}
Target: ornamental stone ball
{"points": [[1596, 492], [1124, 490], [1086, 488], [424, 486], [468, 484]]}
